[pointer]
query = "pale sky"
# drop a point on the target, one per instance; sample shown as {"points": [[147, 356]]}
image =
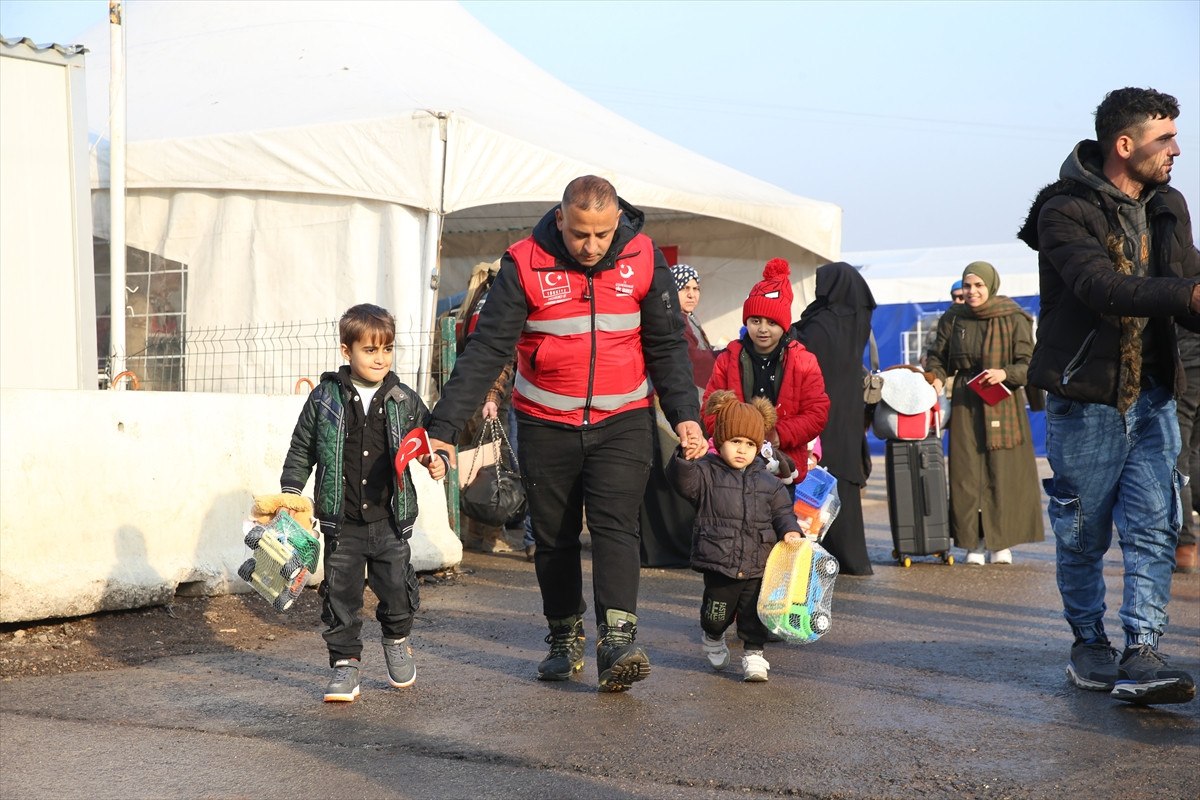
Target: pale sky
{"points": [[929, 123]]}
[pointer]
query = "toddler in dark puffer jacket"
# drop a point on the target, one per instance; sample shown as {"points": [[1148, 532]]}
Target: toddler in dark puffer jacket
{"points": [[742, 510]]}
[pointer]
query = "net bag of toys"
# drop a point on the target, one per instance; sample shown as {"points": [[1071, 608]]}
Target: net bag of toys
{"points": [[817, 503], [284, 549], [797, 591]]}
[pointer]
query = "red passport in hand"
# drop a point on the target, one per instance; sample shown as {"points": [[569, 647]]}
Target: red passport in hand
{"points": [[991, 394]]}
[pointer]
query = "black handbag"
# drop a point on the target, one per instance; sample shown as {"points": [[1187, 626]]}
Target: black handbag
{"points": [[495, 496]]}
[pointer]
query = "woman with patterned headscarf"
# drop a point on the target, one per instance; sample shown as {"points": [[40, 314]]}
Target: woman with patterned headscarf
{"points": [[995, 499], [700, 352], [665, 516]]}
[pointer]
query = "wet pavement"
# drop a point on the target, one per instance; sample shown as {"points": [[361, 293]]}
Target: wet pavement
{"points": [[935, 681]]}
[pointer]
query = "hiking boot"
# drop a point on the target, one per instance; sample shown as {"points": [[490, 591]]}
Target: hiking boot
{"points": [[401, 668], [343, 686], [754, 666], [1143, 677], [566, 649], [1093, 665], [619, 661], [716, 650]]}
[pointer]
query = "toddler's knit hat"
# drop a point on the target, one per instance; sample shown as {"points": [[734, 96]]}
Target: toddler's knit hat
{"points": [[733, 418], [772, 296]]}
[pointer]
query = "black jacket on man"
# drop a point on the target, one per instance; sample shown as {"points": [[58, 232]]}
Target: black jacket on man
{"points": [[494, 341], [1084, 293]]}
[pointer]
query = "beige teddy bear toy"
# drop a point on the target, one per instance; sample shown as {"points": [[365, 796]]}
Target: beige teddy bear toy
{"points": [[299, 507]]}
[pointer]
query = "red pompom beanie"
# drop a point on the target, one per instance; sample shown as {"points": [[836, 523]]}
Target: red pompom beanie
{"points": [[772, 296]]}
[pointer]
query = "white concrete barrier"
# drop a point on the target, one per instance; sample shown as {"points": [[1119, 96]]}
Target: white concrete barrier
{"points": [[114, 500]]}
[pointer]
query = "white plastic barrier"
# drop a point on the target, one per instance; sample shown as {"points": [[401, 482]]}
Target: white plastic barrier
{"points": [[114, 500]]}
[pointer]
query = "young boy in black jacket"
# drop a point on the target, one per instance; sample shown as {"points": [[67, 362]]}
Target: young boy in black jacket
{"points": [[350, 429], [742, 510]]}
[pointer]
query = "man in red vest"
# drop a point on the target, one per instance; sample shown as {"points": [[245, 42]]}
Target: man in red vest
{"points": [[589, 306]]}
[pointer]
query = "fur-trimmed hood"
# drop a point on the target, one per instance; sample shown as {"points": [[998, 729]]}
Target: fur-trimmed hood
{"points": [[1078, 173], [1081, 175]]}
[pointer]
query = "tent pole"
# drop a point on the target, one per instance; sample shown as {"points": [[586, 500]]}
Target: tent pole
{"points": [[432, 258], [116, 193], [433, 246]]}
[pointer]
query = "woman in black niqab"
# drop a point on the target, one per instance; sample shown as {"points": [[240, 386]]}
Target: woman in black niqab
{"points": [[835, 328]]}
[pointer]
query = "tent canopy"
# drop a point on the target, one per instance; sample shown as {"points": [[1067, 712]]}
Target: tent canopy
{"points": [[395, 134]]}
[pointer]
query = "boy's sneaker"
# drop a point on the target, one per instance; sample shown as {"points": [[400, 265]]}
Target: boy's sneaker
{"points": [[1093, 665], [619, 660], [401, 668], [343, 686], [1143, 677], [566, 649], [1002, 556], [976, 557], [716, 650], [754, 666]]}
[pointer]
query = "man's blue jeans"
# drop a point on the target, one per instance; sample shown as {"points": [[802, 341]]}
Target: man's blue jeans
{"points": [[1113, 468]]}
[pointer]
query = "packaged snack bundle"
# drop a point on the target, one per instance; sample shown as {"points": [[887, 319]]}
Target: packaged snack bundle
{"points": [[797, 591], [817, 503], [284, 556]]}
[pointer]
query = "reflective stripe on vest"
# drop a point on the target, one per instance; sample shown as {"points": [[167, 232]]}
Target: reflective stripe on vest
{"points": [[562, 402], [574, 325]]}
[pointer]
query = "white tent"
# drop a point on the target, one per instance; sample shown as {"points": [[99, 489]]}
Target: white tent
{"points": [[301, 157]]}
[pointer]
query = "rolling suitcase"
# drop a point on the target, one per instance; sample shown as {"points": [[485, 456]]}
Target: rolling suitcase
{"points": [[918, 507]]}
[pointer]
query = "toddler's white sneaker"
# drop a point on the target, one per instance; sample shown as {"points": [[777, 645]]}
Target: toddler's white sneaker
{"points": [[716, 651], [754, 666]]}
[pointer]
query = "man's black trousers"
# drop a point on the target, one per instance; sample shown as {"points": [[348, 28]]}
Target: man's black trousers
{"points": [[601, 469]]}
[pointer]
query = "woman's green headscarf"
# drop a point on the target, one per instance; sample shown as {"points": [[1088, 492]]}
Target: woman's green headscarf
{"points": [[985, 272]]}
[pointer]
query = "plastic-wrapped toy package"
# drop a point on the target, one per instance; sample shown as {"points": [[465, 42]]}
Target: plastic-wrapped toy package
{"points": [[797, 591], [817, 502], [284, 556]]}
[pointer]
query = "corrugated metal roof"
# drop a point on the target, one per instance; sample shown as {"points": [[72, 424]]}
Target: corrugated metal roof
{"points": [[61, 49]]}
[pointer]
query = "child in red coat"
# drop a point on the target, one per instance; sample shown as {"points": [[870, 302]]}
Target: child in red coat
{"points": [[767, 362]]}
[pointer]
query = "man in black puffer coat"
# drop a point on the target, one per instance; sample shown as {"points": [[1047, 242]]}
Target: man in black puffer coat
{"points": [[1115, 245]]}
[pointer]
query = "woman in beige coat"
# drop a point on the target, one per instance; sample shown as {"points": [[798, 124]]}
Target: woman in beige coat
{"points": [[995, 502]]}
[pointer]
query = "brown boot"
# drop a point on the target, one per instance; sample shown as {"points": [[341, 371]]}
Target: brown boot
{"points": [[1186, 558]]}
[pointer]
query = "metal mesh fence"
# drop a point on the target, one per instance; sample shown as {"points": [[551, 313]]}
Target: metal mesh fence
{"points": [[277, 358]]}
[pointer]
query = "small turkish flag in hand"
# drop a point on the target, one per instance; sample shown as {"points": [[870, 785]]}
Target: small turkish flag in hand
{"points": [[415, 445]]}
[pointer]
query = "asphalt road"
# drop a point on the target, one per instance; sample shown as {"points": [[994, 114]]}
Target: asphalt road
{"points": [[935, 682]]}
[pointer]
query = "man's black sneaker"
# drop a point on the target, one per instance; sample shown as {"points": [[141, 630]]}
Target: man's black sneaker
{"points": [[619, 661], [1093, 665], [1143, 677], [566, 649]]}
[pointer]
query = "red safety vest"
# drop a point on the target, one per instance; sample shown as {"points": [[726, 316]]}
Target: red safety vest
{"points": [[579, 358]]}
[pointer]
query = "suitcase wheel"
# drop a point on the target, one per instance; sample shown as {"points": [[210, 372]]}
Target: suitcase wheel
{"points": [[905, 562], [948, 558]]}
